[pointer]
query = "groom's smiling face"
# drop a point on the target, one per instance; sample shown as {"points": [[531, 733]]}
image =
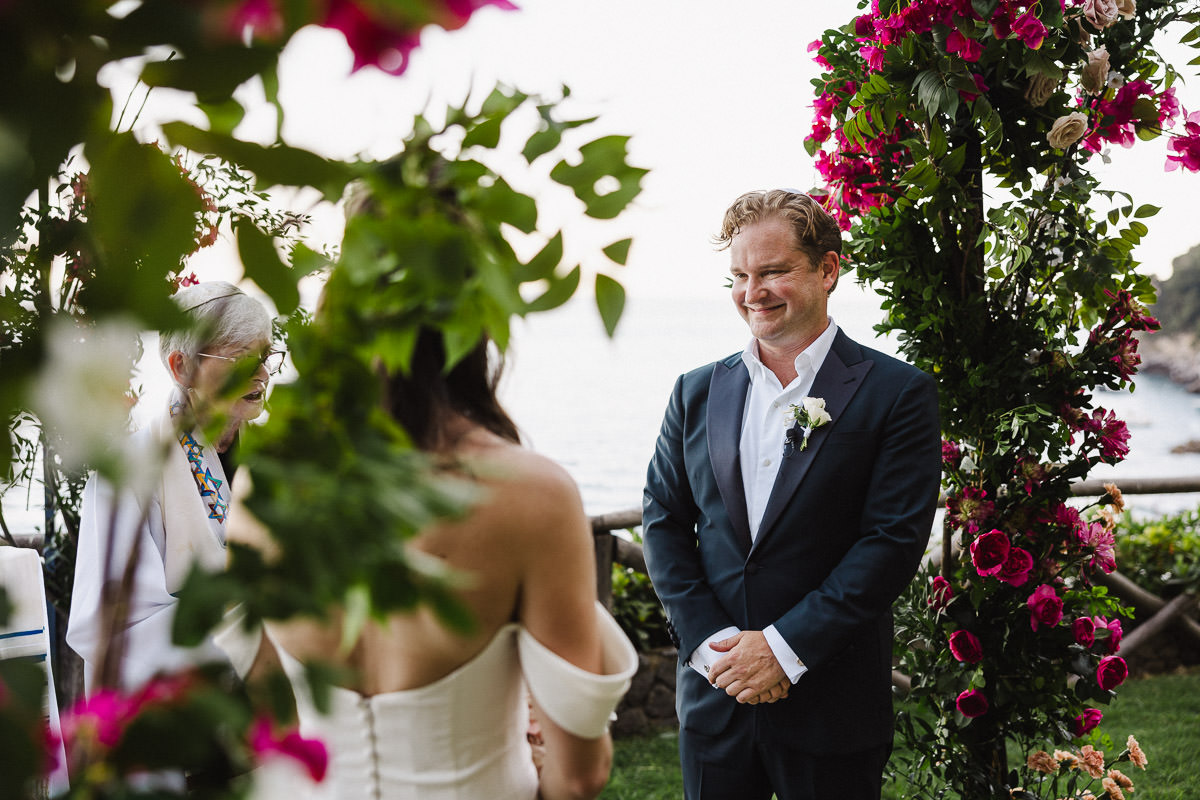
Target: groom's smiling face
{"points": [[776, 288]]}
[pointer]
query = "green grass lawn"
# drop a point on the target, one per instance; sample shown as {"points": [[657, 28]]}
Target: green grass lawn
{"points": [[1163, 713]]}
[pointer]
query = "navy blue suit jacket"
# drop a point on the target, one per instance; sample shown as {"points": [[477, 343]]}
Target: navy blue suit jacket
{"points": [[842, 535]]}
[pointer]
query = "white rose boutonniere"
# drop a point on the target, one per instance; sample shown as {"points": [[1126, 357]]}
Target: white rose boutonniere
{"points": [[809, 415]]}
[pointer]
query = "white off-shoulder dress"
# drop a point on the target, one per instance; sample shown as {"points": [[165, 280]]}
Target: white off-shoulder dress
{"points": [[462, 736]]}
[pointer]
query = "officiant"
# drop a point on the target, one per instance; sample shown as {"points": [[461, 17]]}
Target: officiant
{"points": [[180, 517]]}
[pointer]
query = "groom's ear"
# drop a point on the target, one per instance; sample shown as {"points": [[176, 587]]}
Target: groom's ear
{"points": [[831, 268]]}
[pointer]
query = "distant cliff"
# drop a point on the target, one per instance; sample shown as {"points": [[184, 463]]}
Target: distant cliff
{"points": [[1175, 350]]}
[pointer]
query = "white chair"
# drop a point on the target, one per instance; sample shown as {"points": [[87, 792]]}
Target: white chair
{"points": [[26, 635]]}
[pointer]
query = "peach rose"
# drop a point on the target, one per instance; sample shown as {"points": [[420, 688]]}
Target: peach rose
{"points": [[1101, 13], [1039, 89], [1126, 8], [1067, 130], [1095, 74]]}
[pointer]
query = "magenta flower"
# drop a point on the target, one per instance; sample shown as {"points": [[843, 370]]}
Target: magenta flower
{"points": [[970, 509], [1111, 672], [1112, 434], [1084, 629], [1045, 607], [1086, 721], [309, 752], [1017, 567], [372, 42], [1099, 539], [1126, 357], [1186, 147], [101, 717], [989, 551], [1112, 642], [968, 49], [1029, 29], [260, 17], [965, 647], [971, 703], [951, 453], [940, 593]]}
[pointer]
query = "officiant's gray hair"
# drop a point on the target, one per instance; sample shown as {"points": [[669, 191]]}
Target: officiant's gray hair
{"points": [[816, 232], [223, 318]]}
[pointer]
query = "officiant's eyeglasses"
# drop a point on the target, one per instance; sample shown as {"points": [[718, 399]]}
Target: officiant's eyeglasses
{"points": [[272, 360]]}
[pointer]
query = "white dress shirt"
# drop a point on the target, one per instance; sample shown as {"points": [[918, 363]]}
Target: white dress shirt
{"points": [[765, 421]]}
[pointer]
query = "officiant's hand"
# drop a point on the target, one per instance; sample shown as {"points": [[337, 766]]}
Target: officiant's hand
{"points": [[748, 669]]}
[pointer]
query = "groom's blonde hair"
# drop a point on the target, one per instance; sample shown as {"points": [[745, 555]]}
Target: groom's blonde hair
{"points": [[815, 231]]}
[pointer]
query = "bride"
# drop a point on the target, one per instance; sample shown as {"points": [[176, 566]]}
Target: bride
{"points": [[433, 714]]}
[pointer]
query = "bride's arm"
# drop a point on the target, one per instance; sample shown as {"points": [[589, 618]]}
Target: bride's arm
{"points": [[557, 607]]}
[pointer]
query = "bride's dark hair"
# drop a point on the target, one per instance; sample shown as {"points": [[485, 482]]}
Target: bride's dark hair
{"points": [[424, 398]]}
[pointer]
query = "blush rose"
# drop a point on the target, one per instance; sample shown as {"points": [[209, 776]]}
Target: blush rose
{"points": [[989, 551], [1111, 672], [1045, 607], [965, 646], [971, 703]]}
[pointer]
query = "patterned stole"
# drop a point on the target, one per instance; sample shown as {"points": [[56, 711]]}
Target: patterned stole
{"points": [[212, 489]]}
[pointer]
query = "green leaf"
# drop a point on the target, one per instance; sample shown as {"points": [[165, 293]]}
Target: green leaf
{"points": [[542, 265], [610, 300], [501, 202], [278, 165], [265, 267], [211, 74], [618, 252], [601, 158], [560, 291], [484, 134], [1147, 210]]}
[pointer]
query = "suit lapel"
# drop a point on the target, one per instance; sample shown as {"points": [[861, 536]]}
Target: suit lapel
{"points": [[840, 377], [726, 405]]}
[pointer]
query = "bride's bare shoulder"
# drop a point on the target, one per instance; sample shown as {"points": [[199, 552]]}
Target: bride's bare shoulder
{"points": [[520, 479]]}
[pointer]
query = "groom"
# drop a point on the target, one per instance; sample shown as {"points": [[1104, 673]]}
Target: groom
{"points": [[777, 552]]}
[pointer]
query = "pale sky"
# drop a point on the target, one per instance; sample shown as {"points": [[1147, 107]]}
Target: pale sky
{"points": [[717, 99]]}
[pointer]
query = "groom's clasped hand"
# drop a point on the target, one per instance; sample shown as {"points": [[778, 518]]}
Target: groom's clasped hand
{"points": [[749, 671]]}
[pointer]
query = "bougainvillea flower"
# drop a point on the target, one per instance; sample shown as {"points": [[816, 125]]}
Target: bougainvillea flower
{"points": [[372, 42], [259, 17], [101, 717], [965, 647], [1029, 29], [1086, 721], [1045, 607], [968, 49], [311, 753], [971, 703], [989, 551], [1186, 147], [1111, 672]]}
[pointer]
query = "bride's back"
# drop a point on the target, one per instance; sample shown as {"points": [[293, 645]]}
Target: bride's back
{"points": [[522, 554]]}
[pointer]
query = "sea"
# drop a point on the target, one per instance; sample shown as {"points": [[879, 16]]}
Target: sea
{"points": [[594, 404]]}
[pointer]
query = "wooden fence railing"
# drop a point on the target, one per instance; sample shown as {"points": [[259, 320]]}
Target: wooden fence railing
{"points": [[1153, 613]]}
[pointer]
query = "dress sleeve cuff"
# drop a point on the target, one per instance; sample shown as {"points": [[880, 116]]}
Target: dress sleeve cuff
{"points": [[578, 701]]}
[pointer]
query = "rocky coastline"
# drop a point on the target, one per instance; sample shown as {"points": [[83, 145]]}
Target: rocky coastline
{"points": [[1175, 356]]}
